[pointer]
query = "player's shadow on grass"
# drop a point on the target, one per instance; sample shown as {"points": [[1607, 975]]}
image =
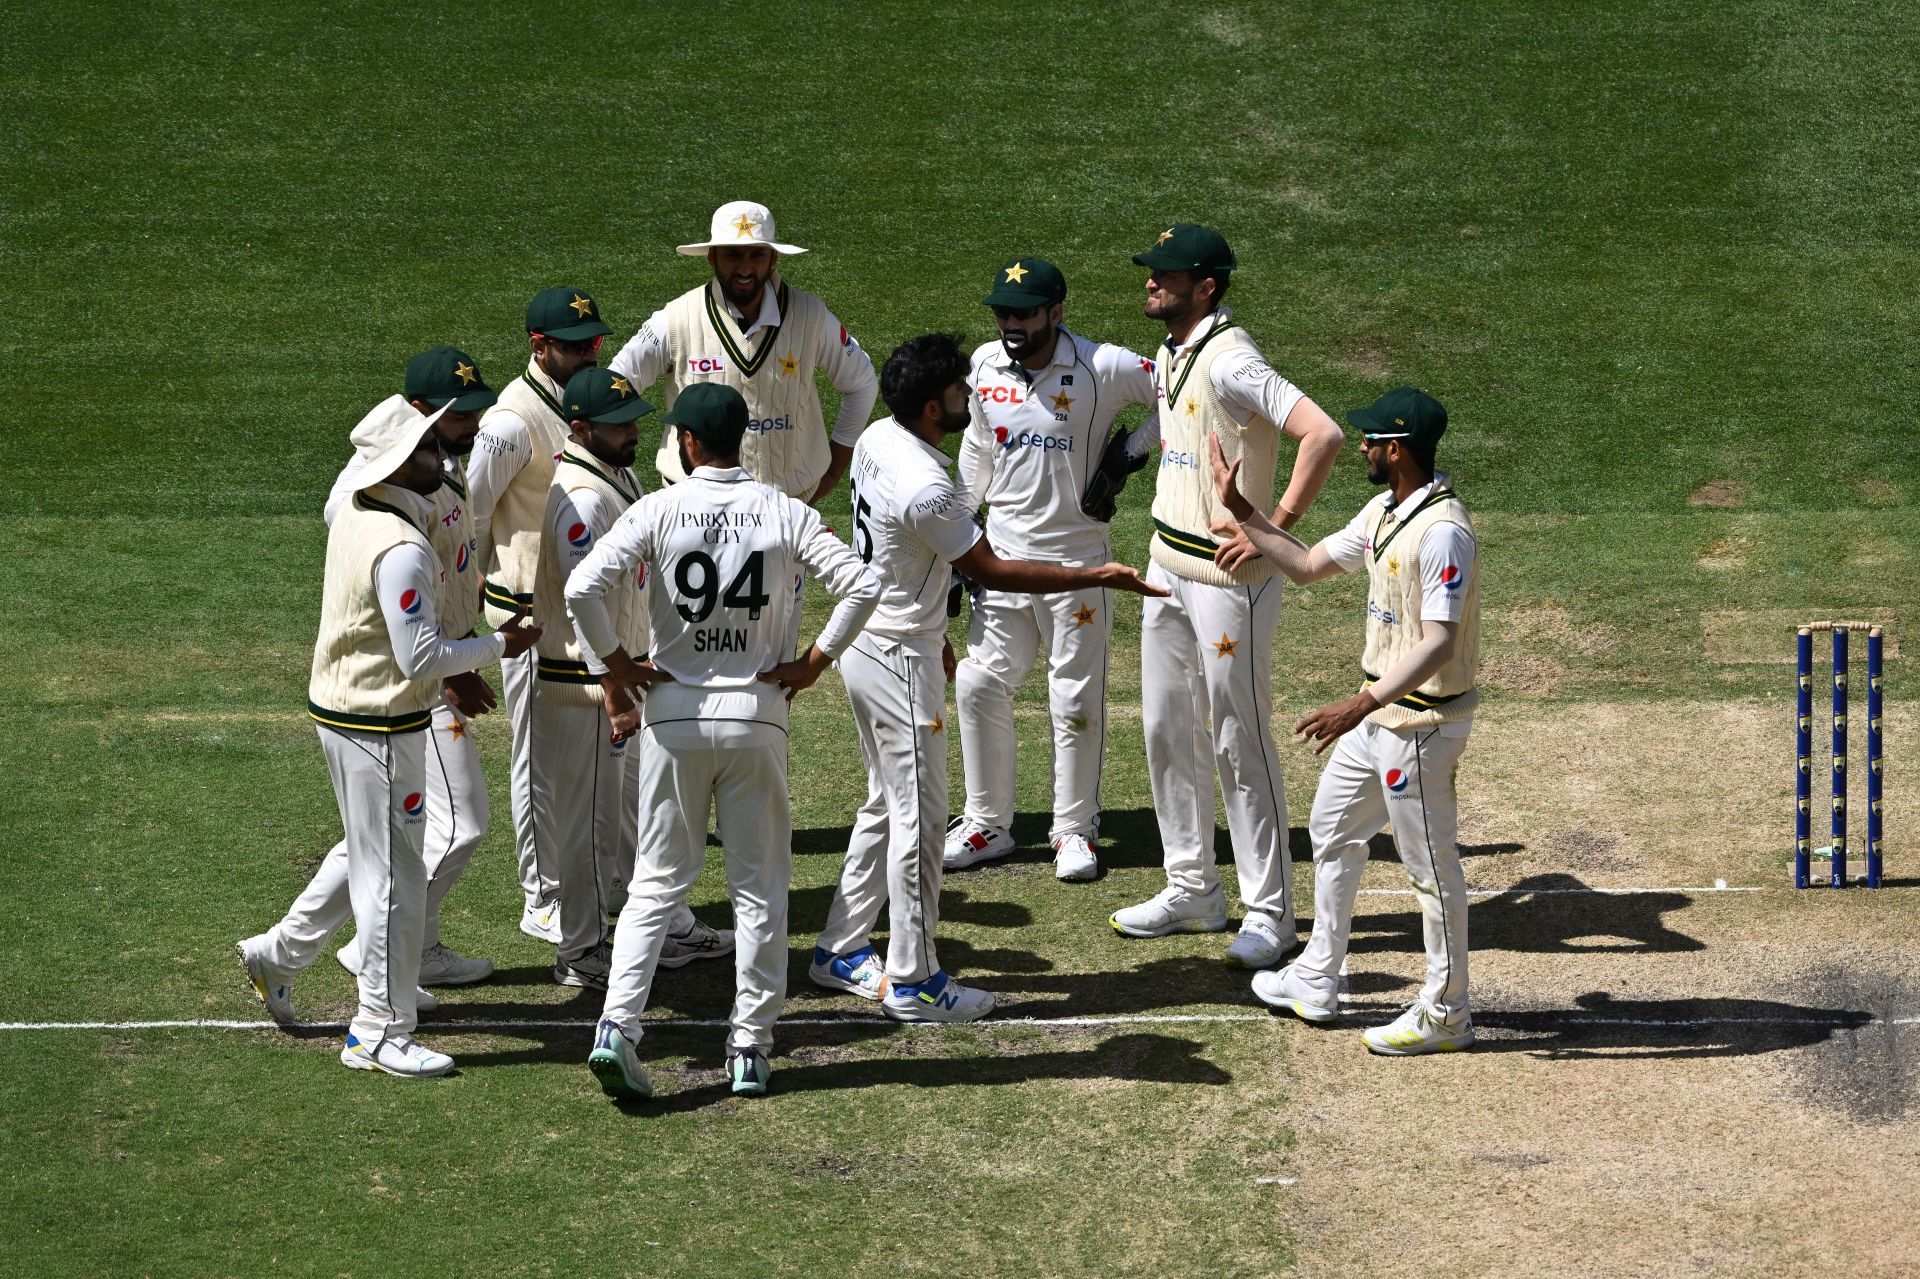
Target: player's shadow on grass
{"points": [[816, 1060], [1602, 1027], [1547, 914], [1149, 986]]}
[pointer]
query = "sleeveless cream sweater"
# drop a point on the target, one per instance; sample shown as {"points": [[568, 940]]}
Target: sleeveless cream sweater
{"points": [[1393, 591]]}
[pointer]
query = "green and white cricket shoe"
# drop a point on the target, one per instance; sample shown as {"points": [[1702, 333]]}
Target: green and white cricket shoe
{"points": [[1417, 1031], [937, 999], [1173, 910], [615, 1064], [748, 1071], [1311, 999], [394, 1055], [274, 986]]}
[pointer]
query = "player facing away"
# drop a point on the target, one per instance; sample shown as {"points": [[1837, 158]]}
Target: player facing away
{"points": [[1043, 404], [1206, 652], [914, 526], [721, 552], [1399, 739], [378, 662]]}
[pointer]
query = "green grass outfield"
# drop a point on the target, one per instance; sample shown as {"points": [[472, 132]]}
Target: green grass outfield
{"points": [[1658, 261]]}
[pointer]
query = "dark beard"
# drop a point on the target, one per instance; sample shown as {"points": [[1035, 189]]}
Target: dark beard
{"points": [[686, 462]]}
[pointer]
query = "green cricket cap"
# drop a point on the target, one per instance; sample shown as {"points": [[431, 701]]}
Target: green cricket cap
{"points": [[446, 376], [1402, 414], [1188, 246], [601, 395], [566, 313], [1025, 282], [715, 413]]}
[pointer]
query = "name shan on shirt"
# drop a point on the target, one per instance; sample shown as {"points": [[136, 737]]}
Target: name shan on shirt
{"points": [[720, 639]]}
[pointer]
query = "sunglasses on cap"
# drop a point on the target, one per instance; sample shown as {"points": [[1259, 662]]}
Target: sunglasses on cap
{"points": [[585, 346]]}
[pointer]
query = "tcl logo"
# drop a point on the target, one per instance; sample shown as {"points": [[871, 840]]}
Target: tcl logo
{"points": [[1001, 395], [705, 365]]}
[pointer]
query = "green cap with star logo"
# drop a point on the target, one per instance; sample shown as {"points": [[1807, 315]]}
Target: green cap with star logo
{"points": [[1025, 282], [447, 376], [1188, 246], [566, 313], [1402, 414], [601, 395], [714, 412]]}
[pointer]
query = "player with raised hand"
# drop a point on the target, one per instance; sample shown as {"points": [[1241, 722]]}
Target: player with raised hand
{"points": [[914, 525], [720, 551], [1398, 741]]}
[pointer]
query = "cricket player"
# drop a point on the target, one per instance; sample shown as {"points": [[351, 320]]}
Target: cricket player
{"points": [[446, 385], [718, 549], [520, 442], [378, 663], [914, 526], [1043, 403], [1401, 736], [1206, 651]]}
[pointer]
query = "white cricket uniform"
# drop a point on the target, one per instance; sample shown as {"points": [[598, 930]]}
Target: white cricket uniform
{"points": [[721, 551], [1034, 442], [380, 779], [1206, 653], [1378, 774], [910, 522], [456, 786], [520, 441]]}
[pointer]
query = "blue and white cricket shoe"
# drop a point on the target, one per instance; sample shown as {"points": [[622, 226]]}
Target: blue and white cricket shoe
{"points": [[748, 1071], [615, 1064], [394, 1055], [939, 998], [274, 986], [858, 972]]}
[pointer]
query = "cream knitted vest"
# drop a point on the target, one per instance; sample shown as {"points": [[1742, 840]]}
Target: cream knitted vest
{"points": [[458, 604], [786, 440], [563, 673], [1184, 505], [1393, 617], [355, 682], [515, 559]]}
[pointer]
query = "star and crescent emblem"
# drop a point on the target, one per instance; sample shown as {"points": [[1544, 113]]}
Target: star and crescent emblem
{"points": [[1225, 647], [939, 724], [582, 306], [1062, 402], [1083, 616], [464, 372], [623, 387], [1164, 237], [1016, 274], [746, 226], [789, 366]]}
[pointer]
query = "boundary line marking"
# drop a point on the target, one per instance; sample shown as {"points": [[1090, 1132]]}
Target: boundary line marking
{"points": [[1570, 892]]}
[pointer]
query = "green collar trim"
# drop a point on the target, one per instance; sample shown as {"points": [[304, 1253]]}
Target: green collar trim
{"points": [[731, 338], [545, 399], [1380, 547], [1193, 358], [568, 455], [375, 504]]}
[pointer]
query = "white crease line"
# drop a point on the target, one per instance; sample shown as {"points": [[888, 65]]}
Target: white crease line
{"points": [[1566, 892]]}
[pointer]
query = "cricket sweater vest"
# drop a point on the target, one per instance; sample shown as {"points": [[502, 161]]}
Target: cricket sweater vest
{"points": [[1393, 617], [562, 670], [356, 682], [515, 559], [458, 605], [1184, 505], [786, 440]]}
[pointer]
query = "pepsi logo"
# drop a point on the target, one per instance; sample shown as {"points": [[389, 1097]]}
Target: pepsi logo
{"points": [[640, 575], [1000, 436], [1396, 780], [409, 601], [578, 534], [1147, 364], [415, 804], [1451, 577], [460, 558]]}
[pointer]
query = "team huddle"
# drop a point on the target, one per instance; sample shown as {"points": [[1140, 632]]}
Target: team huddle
{"points": [[650, 646]]}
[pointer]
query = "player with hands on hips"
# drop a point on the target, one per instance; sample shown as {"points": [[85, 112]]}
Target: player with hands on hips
{"points": [[719, 551], [914, 526], [1397, 742], [1043, 404]]}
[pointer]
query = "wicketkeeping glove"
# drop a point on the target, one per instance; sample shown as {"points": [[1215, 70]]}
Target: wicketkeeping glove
{"points": [[1116, 464]]}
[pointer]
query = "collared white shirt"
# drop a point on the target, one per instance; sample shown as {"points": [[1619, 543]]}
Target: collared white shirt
{"points": [[910, 522], [1448, 553]]}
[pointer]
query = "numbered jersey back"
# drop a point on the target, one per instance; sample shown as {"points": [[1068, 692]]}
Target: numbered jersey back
{"points": [[724, 579]]}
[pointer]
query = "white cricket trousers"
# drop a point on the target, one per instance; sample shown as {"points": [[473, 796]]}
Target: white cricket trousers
{"points": [[689, 768], [538, 882], [1206, 659], [899, 696], [1404, 776], [580, 798], [456, 798], [380, 782], [1004, 638]]}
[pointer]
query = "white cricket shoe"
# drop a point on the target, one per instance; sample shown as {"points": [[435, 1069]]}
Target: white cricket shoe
{"points": [[1314, 999], [542, 923], [969, 843], [273, 985], [442, 965], [1173, 910], [590, 971], [615, 1064], [1261, 941], [938, 998], [1075, 859], [1418, 1031], [425, 1001], [394, 1055], [702, 941], [857, 972]]}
